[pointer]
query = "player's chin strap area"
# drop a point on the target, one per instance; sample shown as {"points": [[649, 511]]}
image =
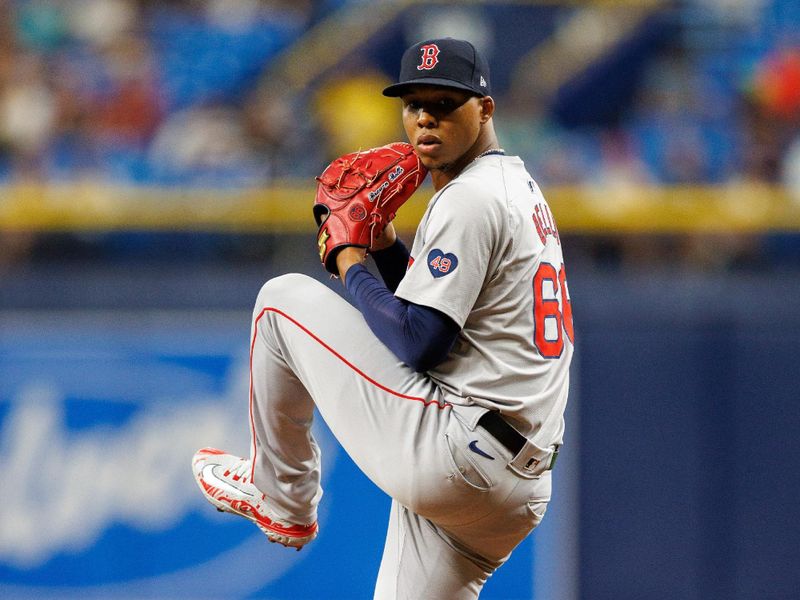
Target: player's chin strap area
{"points": [[529, 459]]}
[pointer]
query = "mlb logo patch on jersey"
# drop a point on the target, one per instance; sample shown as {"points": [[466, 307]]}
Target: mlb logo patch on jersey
{"points": [[441, 263]]}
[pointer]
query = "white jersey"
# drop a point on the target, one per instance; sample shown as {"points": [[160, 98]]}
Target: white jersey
{"points": [[487, 253]]}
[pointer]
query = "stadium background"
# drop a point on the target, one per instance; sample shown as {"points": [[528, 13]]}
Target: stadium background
{"points": [[157, 164]]}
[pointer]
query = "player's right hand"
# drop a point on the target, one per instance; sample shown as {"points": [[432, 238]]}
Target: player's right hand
{"points": [[387, 238]]}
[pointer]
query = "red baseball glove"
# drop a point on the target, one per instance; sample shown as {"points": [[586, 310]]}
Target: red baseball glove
{"points": [[358, 194]]}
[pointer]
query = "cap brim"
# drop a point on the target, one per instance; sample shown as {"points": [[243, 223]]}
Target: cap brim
{"points": [[398, 89]]}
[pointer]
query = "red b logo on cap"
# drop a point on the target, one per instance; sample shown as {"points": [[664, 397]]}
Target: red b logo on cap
{"points": [[430, 57]]}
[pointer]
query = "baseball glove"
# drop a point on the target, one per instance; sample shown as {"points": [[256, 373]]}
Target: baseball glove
{"points": [[358, 194]]}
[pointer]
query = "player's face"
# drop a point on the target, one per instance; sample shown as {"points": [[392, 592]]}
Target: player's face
{"points": [[444, 125]]}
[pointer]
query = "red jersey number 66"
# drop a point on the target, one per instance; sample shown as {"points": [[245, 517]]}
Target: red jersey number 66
{"points": [[549, 311]]}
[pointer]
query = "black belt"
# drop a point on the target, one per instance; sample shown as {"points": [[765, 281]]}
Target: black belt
{"points": [[504, 433]]}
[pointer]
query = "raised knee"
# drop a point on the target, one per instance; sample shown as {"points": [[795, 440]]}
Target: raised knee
{"points": [[285, 289]]}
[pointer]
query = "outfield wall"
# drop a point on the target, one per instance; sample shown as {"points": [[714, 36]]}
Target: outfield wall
{"points": [[678, 478], [110, 378]]}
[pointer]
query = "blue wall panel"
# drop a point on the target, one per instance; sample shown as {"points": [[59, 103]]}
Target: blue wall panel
{"points": [[685, 445], [689, 435], [100, 413]]}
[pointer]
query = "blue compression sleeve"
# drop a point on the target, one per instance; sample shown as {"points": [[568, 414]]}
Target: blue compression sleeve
{"points": [[392, 263], [418, 335]]}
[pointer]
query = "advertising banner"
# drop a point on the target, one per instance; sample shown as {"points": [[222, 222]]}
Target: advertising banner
{"points": [[100, 414]]}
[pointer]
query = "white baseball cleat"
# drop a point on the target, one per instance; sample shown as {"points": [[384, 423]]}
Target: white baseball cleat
{"points": [[224, 480]]}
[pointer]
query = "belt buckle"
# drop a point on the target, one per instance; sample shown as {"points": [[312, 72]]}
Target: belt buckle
{"points": [[532, 461], [531, 464]]}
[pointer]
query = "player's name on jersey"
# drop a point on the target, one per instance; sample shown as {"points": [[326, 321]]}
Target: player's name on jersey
{"points": [[545, 223]]}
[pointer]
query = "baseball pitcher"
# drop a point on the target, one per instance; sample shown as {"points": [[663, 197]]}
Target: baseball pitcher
{"points": [[447, 380]]}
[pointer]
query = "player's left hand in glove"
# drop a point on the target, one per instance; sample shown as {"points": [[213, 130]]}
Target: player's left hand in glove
{"points": [[359, 193]]}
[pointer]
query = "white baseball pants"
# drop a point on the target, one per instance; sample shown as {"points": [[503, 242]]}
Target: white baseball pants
{"points": [[456, 515]]}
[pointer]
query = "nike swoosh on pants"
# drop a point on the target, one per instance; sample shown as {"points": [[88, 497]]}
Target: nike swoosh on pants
{"points": [[473, 445]]}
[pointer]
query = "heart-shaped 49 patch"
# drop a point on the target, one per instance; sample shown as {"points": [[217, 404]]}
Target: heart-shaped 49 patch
{"points": [[441, 263]]}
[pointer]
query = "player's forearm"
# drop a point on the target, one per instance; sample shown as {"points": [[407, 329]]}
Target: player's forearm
{"points": [[418, 335], [392, 263], [347, 257]]}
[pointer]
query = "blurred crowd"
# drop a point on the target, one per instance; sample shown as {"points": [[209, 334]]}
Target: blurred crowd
{"points": [[174, 93], [143, 92], [720, 103], [185, 93]]}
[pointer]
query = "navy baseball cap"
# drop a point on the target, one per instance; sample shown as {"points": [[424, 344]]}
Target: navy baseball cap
{"points": [[447, 62]]}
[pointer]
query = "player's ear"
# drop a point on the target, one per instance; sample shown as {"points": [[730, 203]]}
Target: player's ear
{"points": [[487, 108]]}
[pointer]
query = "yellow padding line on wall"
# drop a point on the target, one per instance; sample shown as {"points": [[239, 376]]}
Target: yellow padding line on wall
{"points": [[286, 208]]}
